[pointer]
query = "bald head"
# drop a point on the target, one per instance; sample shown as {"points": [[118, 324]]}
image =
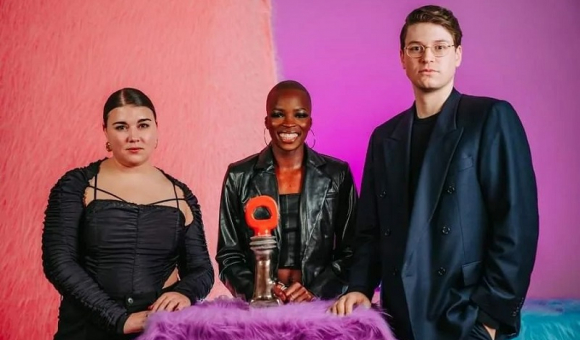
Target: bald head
{"points": [[286, 85]]}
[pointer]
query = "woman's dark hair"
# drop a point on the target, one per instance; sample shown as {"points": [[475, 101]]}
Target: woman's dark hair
{"points": [[127, 96]]}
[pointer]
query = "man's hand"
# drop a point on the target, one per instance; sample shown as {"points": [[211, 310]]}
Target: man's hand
{"points": [[346, 303]]}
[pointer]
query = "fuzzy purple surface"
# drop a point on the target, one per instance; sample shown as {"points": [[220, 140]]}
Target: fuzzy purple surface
{"points": [[223, 319]]}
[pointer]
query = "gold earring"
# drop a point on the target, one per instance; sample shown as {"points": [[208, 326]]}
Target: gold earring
{"points": [[314, 137], [108, 146], [265, 142]]}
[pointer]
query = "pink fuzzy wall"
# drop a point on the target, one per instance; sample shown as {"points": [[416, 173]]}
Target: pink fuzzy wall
{"points": [[207, 66]]}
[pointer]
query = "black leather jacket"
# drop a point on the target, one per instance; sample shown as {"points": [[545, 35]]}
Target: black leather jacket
{"points": [[327, 210]]}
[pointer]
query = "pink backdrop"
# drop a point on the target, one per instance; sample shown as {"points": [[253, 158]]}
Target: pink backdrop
{"points": [[206, 65]]}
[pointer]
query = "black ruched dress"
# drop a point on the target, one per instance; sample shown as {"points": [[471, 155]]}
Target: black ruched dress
{"points": [[112, 257]]}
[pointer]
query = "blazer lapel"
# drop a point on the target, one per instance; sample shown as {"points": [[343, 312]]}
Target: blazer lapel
{"points": [[440, 150], [396, 153], [315, 187]]}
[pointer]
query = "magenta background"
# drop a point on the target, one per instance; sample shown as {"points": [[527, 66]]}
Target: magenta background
{"points": [[347, 54]]}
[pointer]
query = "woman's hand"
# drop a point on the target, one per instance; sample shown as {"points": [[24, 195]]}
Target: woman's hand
{"points": [[278, 290], [135, 322], [295, 293], [169, 302]]}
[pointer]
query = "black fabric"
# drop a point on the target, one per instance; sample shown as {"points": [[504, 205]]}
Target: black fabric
{"points": [[290, 231], [422, 128], [327, 205], [74, 321], [486, 319], [130, 248], [480, 333], [472, 235], [113, 256]]}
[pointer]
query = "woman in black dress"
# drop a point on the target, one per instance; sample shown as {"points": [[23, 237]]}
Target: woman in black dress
{"points": [[116, 230]]}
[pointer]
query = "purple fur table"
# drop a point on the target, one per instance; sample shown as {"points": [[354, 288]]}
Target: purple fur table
{"points": [[233, 319]]}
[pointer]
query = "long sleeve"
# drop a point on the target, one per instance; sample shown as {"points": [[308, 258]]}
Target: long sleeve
{"points": [[366, 266], [330, 282], [60, 254], [195, 269], [235, 272], [509, 188]]}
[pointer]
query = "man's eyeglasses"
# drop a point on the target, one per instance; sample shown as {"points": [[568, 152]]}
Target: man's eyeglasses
{"points": [[418, 50]]}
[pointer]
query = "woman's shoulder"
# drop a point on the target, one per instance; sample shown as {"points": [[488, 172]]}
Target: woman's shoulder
{"points": [[331, 162], [180, 184], [78, 178], [185, 190], [245, 164]]}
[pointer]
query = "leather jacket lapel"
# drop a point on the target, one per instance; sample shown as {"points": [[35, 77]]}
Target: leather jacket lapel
{"points": [[265, 183], [315, 187]]}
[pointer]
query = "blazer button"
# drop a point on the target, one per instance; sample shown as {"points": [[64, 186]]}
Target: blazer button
{"points": [[514, 314], [441, 271], [383, 194], [388, 232], [445, 230], [130, 300], [395, 272], [450, 189]]}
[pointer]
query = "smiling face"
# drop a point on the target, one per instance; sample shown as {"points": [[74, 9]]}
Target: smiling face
{"points": [[288, 119], [428, 72], [132, 134]]}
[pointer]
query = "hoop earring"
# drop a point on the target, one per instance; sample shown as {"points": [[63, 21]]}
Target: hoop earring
{"points": [[314, 136], [108, 146], [265, 137]]}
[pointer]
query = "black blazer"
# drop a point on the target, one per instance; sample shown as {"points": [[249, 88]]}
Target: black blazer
{"points": [[469, 243], [327, 208]]}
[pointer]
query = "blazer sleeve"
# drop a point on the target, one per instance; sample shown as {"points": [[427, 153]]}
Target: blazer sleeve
{"points": [[334, 278], [194, 265], [508, 186], [365, 271], [234, 269], [60, 254]]}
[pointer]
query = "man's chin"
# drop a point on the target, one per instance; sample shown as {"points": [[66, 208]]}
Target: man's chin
{"points": [[428, 88]]}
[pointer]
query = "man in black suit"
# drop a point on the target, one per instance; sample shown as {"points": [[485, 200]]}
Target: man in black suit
{"points": [[448, 216]]}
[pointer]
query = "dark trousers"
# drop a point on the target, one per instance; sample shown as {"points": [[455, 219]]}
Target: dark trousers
{"points": [[74, 321]]}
